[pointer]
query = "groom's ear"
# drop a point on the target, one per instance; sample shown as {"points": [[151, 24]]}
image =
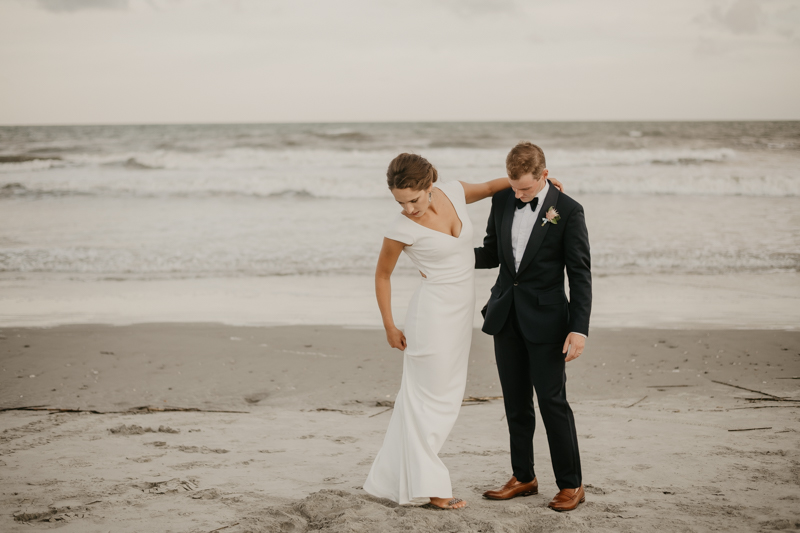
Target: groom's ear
{"points": [[545, 173]]}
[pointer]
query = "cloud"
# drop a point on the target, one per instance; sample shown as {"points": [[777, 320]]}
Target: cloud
{"points": [[743, 16], [787, 22], [768, 22], [62, 6], [469, 8]]}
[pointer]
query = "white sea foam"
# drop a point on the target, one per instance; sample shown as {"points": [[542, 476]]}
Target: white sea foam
{"points": [[228, 201], [30, 166], [261, 159], [359, 174], [157, 263], [232, 236]]}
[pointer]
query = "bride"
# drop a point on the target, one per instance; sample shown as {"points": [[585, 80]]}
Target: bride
{"points": [[435, 232]]}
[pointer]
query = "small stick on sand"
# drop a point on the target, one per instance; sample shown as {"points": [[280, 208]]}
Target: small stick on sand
{"points": [[481, 398], [634, 403], [776, 399], [664, 386], [343, 411], [376, 414], [155, 408], [132, 410], [793, 377], [745, 388], [57, 410], [748, 429], [766, 407], [223, 527], [18, 408]]}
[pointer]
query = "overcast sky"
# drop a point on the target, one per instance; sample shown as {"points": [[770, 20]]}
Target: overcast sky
{"points": [[166, 61]]}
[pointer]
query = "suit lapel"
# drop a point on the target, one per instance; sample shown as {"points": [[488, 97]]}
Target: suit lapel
{"points": [[539, 231], [505, 233]]}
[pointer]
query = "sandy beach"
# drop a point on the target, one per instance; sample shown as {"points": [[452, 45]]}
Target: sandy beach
{"points": [[190, 342], [290, 418], [194, 202]]}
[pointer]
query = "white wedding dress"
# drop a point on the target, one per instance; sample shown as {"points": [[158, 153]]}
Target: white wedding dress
{"points": [[438, 330]]}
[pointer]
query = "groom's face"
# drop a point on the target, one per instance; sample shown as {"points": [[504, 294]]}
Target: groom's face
{"points": [[526, 187]]}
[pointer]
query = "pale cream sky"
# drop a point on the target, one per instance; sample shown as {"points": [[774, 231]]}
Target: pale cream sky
{"points": [[166, 61]]}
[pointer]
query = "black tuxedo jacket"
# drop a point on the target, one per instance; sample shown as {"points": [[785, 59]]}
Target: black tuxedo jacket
{"points": [[537, 290]]}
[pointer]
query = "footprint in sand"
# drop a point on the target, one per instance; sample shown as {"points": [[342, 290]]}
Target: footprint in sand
{"points": [[481, 453], [206, 494], [74, 463], [133, 429], [517, 509], [200, 449], [614, 509], [34, 516], [256, 397], [591, 489], [170, 485], [187, 449], [194, 464], [343, 440], [60, 511]]}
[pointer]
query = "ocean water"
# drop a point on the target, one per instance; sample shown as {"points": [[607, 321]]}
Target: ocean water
{"points": [[194, 201]]}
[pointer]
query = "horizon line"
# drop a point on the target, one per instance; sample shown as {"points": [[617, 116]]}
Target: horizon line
{"points": [[300, 122]]}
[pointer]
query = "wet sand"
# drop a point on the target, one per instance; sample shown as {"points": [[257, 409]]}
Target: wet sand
{"points": [[664, 446], [678, 301]]}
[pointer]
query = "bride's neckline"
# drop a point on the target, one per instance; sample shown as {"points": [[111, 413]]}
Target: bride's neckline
{"points": [[460, 222]]}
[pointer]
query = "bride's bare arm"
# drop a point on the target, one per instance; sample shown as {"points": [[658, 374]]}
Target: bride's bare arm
{"points": [[387, 260], [478, 191]]}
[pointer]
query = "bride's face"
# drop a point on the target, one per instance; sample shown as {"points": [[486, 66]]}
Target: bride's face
{"points": [[414, 203]]}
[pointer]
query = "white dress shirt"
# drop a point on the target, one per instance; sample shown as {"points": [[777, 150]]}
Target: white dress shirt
{"points": [[522, 226]]}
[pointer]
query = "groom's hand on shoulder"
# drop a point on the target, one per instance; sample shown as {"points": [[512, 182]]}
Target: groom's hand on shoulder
{"points": [[573, 346], [557, 184]]}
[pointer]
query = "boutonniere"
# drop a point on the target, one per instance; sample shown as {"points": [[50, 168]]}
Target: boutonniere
{"points": [[551, 216]]}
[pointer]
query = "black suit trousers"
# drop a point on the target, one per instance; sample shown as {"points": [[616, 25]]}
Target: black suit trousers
{"points": [[524, 367]]}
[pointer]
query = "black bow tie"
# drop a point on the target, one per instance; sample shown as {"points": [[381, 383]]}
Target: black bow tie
{"points": [[521, 205]]}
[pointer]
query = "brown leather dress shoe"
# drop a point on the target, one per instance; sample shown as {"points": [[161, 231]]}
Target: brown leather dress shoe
{"points": [[512, 489], [567, 499]]}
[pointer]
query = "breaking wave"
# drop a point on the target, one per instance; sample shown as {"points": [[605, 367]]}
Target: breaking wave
{"points": [[264, 262]]}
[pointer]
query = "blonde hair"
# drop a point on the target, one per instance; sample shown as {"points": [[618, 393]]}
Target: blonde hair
{"points": [[523, 158]]}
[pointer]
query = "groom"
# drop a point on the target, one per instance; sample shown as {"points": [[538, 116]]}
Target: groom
{"points": [[534, 233]]}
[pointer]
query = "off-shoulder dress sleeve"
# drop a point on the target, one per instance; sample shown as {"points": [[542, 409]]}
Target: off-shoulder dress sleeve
{"points": [[400, 231]]}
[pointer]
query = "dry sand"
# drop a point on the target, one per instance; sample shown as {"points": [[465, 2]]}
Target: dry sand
{"points": [[655, 431]]}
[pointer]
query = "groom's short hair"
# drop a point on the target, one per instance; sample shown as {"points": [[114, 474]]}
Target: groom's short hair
{"points": [[523, 158]]}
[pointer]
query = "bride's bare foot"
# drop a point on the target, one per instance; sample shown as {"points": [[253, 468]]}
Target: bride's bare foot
{"points": [[444, 503]]}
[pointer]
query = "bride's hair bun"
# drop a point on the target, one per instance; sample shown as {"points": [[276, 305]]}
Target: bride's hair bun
{"points": [[411, 171]]}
